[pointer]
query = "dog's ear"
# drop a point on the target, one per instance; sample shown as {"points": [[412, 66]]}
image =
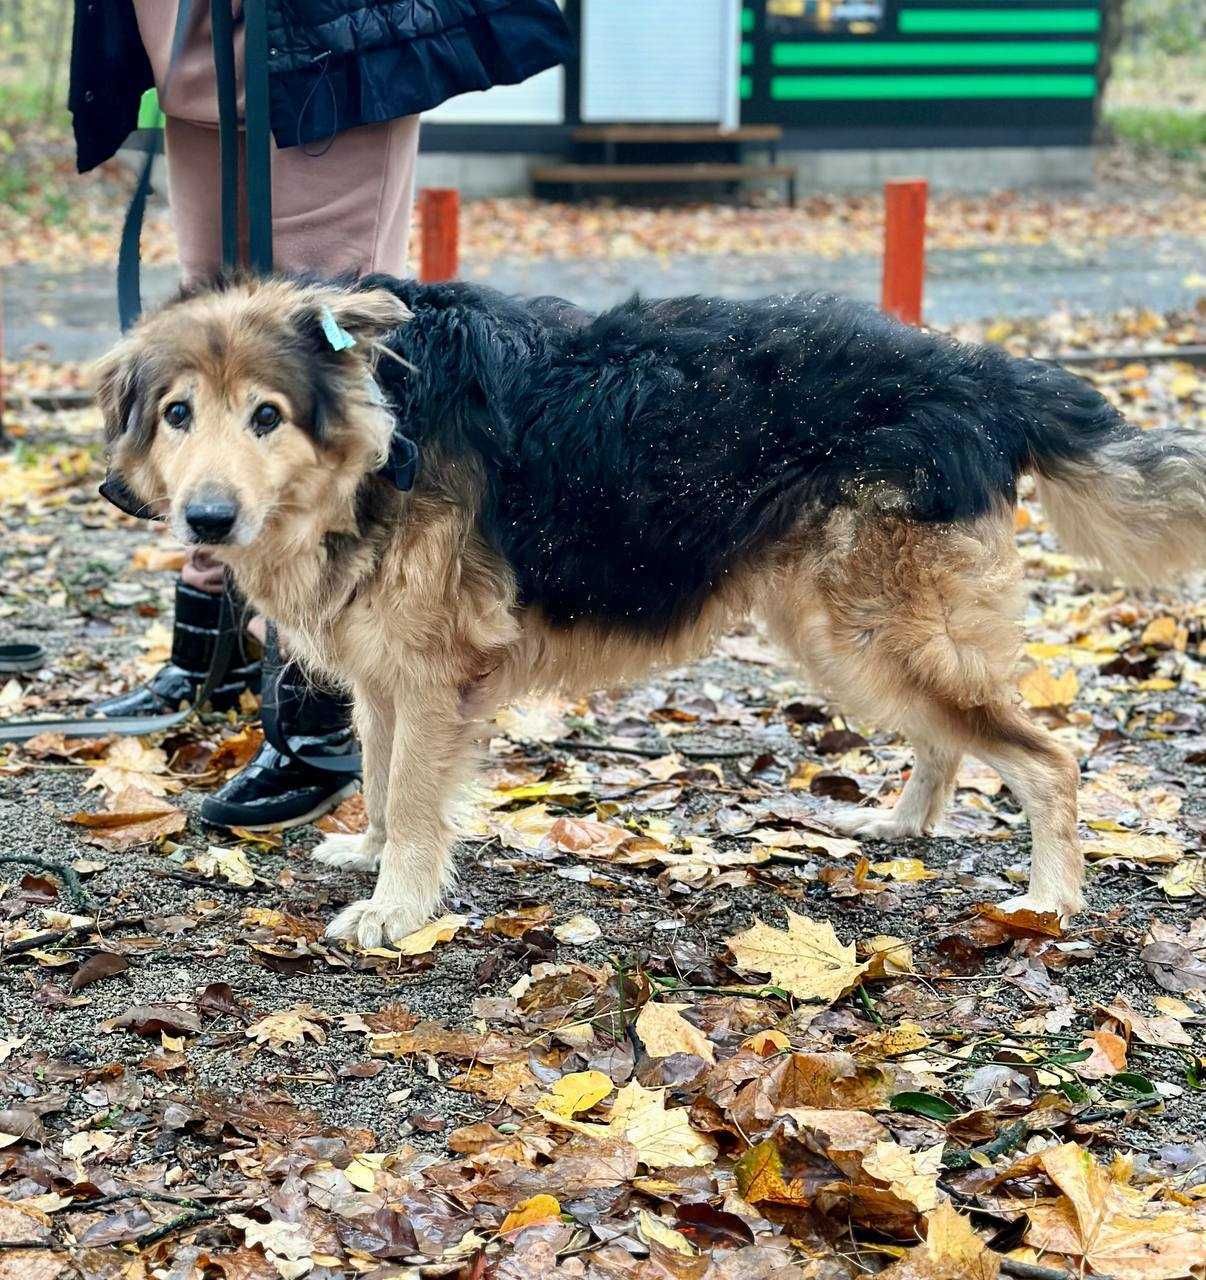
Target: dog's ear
{"points": [[364, 315], [121, 392]]}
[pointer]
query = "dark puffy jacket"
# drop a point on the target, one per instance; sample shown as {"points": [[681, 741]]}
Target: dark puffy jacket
{"points": [[332, 64]]}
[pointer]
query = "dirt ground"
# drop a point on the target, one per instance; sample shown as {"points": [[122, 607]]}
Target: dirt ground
{"points": [[223, 1094]]}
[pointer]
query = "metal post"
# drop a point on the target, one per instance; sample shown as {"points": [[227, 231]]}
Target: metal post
{"points": [[904, 248]]}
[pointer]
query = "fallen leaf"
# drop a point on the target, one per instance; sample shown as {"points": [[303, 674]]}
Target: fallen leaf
{"points": [[130, 763], [229, 864], [664, 1031], [654, 1231], [806, 958], [1040, 687], [575, 1092], [431, 935], [530, 1212], [289, 1026], [952, 1251], [578, 931], [134, 817], [1103, 1223]]}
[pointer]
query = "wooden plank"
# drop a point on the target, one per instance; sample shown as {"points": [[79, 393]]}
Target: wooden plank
{"points": [[677, 133], [659, 172]]}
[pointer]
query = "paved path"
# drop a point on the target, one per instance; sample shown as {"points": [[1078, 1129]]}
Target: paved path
{"points": [[72, 317]]}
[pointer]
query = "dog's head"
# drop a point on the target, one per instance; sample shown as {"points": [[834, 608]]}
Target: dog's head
{"points": [[248, 406]]}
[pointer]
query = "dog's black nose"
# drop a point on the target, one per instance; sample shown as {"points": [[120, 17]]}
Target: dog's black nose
{"points": [[211, 519]]}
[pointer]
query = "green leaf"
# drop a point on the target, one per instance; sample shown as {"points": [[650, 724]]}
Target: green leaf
{"points": [[1071, 1055], [923, 1104], [1132, 1083]]}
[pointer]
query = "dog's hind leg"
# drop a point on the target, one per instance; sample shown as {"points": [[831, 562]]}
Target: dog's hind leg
{"points": [[430, 748], [373, 717], [914, 628]]}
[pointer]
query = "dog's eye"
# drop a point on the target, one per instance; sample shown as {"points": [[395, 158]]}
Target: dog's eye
{"points": [[265, 418], [177, 414]]}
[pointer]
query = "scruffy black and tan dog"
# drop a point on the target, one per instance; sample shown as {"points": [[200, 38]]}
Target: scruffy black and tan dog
{"points": [[599, 494]]}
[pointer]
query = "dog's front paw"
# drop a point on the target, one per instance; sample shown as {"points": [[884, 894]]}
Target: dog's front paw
{"points": [[350, 852], [872, 824], [372, 923]]}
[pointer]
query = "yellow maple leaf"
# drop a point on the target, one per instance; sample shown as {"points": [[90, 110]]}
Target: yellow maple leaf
{"points": [[230, 864], [910, 1175], [1040, 687], [905, 870], [1132, 847], [805, 959], [1110, 1226], [952, 1251], [662, 1138], [654, 1231], [1186, 880], [664, 1030]]}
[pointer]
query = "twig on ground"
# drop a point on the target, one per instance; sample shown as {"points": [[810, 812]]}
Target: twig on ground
{"points": [[72, 884], [131, 1193], [1029, 1271], [1009, 1139], [53, 936]]}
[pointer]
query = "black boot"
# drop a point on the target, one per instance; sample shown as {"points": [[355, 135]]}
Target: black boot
{"points": [[194, 637], [285, 783]]}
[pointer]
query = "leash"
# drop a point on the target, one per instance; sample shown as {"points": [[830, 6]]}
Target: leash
{"points": [[100, 726]]}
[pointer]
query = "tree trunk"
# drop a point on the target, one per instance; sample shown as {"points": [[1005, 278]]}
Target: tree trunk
{"points": [[1113, 25]]}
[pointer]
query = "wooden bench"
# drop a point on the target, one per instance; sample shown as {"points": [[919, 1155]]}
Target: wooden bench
{"points": [[711, 154], [580, 175]]}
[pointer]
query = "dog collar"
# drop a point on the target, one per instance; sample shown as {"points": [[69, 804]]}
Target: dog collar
{"points": [[402, 465]]}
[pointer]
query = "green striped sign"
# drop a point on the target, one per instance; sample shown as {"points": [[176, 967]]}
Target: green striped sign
{"points": [[796, 88], [989, 21], [929, 53]]}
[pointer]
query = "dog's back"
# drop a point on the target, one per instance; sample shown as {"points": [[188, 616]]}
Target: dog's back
{"points": [[634, 459]]}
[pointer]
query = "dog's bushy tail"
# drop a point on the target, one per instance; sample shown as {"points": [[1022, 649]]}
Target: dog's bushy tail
{"points": [[1132, 502]]}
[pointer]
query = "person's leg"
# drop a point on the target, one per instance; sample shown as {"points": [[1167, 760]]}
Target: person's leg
{"points": [[345, 206], [194, 196]]}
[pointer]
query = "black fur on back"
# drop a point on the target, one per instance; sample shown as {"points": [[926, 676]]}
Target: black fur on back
{"points": [[633, 458]]}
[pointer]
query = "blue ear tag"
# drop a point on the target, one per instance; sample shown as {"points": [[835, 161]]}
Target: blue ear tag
{"points": [[403, 463], [339, 338]]}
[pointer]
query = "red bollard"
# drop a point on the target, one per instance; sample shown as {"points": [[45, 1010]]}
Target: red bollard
{"points": [[904, 248], [440, 210]]}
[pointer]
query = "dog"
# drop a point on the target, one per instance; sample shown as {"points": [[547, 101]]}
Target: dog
{"points": [[597, 495]]}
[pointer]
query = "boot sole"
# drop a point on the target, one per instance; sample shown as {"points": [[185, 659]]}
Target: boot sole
{"points": [[287, 824]]}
